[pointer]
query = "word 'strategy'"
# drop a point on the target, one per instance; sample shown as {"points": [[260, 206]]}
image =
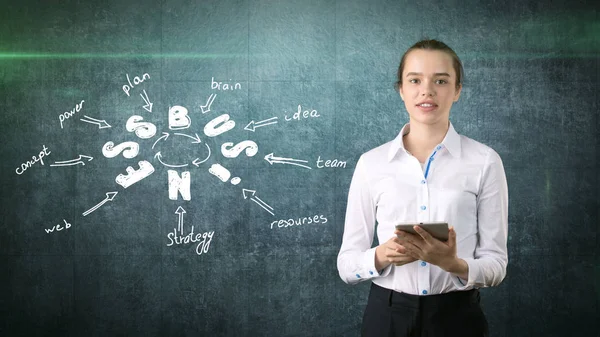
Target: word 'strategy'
{"points": [[66, 115], [58, 228], [34, 159], [203, 239], [178, 239], [299, 221]]}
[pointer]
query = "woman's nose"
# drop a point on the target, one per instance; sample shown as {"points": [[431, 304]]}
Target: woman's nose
{"points": [[428, 90]]}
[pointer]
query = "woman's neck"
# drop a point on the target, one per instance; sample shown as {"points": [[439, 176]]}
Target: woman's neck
{"points": [[422, 138]]}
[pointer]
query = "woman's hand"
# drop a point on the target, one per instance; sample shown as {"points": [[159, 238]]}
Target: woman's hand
{"points": [[427, 248], [390, 253]]}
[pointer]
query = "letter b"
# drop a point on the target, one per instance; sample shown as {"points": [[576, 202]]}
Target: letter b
{"points": [[178, 118]]}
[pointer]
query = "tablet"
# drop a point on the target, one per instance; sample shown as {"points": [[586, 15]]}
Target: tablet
{"points": [[438, 230]]}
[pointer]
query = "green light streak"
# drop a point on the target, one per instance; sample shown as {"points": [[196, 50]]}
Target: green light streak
{"points": [[527, 56], [32, 55], [464, 56]]}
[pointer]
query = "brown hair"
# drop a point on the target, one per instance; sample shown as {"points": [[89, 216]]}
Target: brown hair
{"points": [[433, 45]]}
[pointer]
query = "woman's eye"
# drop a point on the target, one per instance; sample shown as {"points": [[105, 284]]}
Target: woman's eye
{"points": [[413, 80], [441, 82]]}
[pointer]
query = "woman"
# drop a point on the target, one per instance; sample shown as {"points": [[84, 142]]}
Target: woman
{"points": [[422, 286]]}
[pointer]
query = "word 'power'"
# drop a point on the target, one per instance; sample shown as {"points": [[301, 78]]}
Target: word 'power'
{"points": [[68, 114]]}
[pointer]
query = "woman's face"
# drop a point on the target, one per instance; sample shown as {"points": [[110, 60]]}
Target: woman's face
{"points": [[429, 86]]}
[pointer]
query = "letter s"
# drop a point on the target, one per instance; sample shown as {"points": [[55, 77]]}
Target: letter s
{"points": [[143, 130], [170, 237], [230, 151], [129, 149]]}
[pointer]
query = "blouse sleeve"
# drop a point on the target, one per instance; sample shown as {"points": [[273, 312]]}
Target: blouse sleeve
{"points": [[488, 266], [356, 259]]}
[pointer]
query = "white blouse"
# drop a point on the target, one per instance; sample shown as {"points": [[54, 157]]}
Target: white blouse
{"points": [[462, 183]]}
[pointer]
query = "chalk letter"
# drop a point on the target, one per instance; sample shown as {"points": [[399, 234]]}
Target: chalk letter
{"points": [[134, 176], [179, 184], [211, 129], [213, 84], [143, 130], [129, 149], [178, 118], [230, 151], [220, 172]]}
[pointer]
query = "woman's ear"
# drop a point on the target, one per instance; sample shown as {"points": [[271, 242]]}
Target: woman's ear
{"points": [[457, 94], [400, 92]]}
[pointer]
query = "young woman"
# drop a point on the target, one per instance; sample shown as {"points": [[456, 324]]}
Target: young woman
{"points": [[422, 286]]}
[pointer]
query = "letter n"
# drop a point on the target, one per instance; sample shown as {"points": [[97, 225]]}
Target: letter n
{"points": [[179, 184]]}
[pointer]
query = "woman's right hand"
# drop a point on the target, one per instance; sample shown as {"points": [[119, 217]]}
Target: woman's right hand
{"points": [[388, 253]]}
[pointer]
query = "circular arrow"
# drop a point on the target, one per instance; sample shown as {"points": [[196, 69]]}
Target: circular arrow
{"points": [[159, 156]]}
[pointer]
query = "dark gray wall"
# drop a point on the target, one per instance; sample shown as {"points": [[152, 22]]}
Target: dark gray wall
{"points": [[531, 93]]}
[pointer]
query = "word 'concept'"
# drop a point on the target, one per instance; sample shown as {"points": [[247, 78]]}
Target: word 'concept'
{"points": [[214, 85], [299, 115], [298, 222], [136, 81], [203, 240], [34, 159], [66, 115], [58, 228]]}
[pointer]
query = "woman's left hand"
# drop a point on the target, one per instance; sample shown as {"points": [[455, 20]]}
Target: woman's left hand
{"points": [[429, 249]]}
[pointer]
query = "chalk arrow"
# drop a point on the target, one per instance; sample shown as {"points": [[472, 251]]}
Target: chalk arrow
{"points": [[159, 157], [257, 200], [196, 139], [109, 197], [180, 211], [206, 107], [101, 123], [148, 105], [163, 137], [251, 192], [197, 161], [279, 160], [71, 162], [255, 125]]}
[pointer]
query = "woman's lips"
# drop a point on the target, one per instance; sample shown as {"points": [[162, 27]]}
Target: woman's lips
{"points": [[427, 107]]}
